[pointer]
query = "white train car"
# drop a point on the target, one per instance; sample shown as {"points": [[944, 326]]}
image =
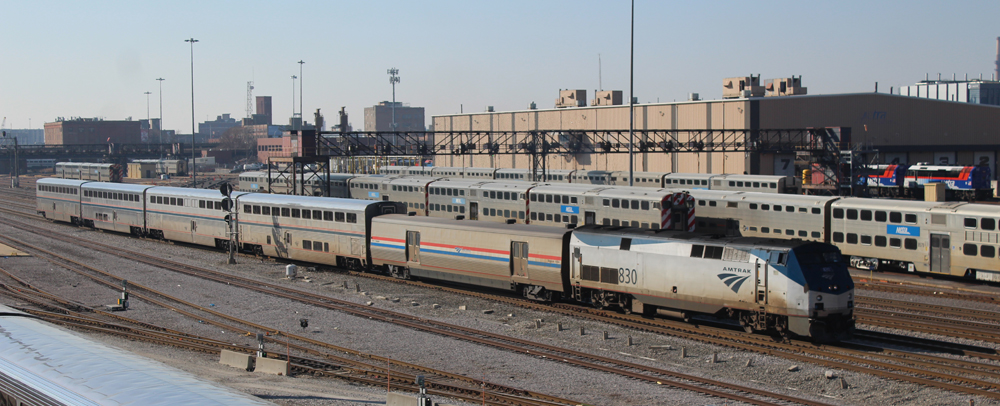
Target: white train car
{"points": [[306, 228], [114, 207], [958, 239], [788, 286], [193, 216], [59, 199], [764, 215], [409, 190], [523, 258]]}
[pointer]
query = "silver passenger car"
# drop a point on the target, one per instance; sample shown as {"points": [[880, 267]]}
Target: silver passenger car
{"points": [[59, 199], [307, 228], [114, 206], [523, 258], [193, 216]]}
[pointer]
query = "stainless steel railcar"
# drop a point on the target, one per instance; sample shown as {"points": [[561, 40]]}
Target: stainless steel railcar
{"points": [[523, 258], [98, 172], [257, 181], [59, 199], [306, 228], [114, 206], [194, 216]]}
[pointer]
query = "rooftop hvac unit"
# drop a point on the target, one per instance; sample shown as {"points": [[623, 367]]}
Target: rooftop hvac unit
{"points": [[745, 94], [693, 97]]}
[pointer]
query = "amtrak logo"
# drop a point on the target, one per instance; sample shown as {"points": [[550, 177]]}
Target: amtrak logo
{"points": [[734, 281]]}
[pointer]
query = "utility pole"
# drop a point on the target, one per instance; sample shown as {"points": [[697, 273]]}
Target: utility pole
{"points": [[300, 87], [194, 167], [160, 130], [393, 79]]}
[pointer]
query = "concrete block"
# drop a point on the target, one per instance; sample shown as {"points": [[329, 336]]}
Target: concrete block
{"points": [[273, 366], [235, 359], [398, 399]]}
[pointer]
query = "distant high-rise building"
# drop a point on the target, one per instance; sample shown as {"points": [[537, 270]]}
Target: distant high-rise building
{"points": [[27, 136], [264, 107], [380, 117]]}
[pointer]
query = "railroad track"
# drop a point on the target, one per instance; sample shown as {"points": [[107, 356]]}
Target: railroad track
{"points": [[916, 367], [610, 365]]}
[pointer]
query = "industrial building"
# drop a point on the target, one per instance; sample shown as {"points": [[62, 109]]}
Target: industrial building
{"points": [[901, 128], [380, 117], [91, 131]]}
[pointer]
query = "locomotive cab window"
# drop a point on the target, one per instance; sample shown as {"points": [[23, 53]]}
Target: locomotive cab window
{"points": [[987, 224], [970, 222]]}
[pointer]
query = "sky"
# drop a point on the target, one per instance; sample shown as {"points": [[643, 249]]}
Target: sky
{"points": [[97, 58]]}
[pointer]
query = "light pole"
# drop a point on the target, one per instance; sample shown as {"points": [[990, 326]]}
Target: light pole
{"points": [[150, 124], [159, 131], [194, 168], [293, 94], [393, 79], [300, 87], [631, 100]]}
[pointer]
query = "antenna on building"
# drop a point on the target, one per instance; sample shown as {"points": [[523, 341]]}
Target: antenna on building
{"points": [[250, 99], [600, 86]]}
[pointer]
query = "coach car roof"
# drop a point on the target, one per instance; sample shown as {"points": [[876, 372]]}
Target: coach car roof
{"points": [[61, 182], [306, 201], [688, 237], [208, 194], [117, 187], [70, 369]]}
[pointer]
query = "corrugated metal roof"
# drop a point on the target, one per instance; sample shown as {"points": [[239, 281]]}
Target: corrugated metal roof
{"points": [[72, 370]]}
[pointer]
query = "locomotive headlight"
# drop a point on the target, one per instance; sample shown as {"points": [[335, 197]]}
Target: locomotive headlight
{"points": [[833, 288], [819, 298]]}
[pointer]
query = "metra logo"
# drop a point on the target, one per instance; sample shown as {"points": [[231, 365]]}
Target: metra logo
{"points": [[734, 281]]}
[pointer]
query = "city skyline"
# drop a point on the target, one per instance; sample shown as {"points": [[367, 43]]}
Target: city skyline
{"points": [[99, 59]]}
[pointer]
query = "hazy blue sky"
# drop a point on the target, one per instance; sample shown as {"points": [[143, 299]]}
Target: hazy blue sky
{"points": [[97, 58]]}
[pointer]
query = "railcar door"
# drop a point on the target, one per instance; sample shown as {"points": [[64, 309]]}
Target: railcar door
{"points": [[589, 218], [413, 247], [940, 253], [760, 278], [473, 210], [519, 259]]}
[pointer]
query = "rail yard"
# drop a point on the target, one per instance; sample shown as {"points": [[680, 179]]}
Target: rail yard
{"points": [[348, 334]]}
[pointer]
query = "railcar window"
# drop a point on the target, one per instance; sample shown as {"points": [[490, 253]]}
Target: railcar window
{"points": [[838, 237], [339, 217], [765, 229], [307, 214], [607, 202], [615, 203], [866, 215], [816, 210], [987, 251], [911, 218], [777, 207], [634, 204], [970, 222], [895, 217], [773, 185], [256, 209], [352, 218], [895, 242], [307, 245], [852, 214], [753, 206], [246, 208], [816, 234], [265, 210], [790, 209], [866, 239], [880, 216], [732, 183], [534, 215], [645, 204], [969, 249], [285, 212], [803, 233], [713, 252], [756, 184], [180, 202], [987, 224], [765, 207], [697, 251], [701, 202], [803, 210], [296, 213], [838, 213], [493, 212], [852, 238], [317, 214]]}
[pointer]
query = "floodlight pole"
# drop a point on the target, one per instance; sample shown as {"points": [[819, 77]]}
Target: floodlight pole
{"points": [[631, 101], [194, 167]]}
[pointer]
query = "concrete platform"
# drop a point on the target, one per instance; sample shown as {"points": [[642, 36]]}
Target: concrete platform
{"points": [[8, 251]]}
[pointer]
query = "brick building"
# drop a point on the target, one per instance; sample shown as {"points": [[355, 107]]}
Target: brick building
{"points": [[92, 131]]}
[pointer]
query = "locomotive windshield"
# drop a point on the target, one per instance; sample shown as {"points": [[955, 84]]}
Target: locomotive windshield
{"points": [[823, 267]]}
